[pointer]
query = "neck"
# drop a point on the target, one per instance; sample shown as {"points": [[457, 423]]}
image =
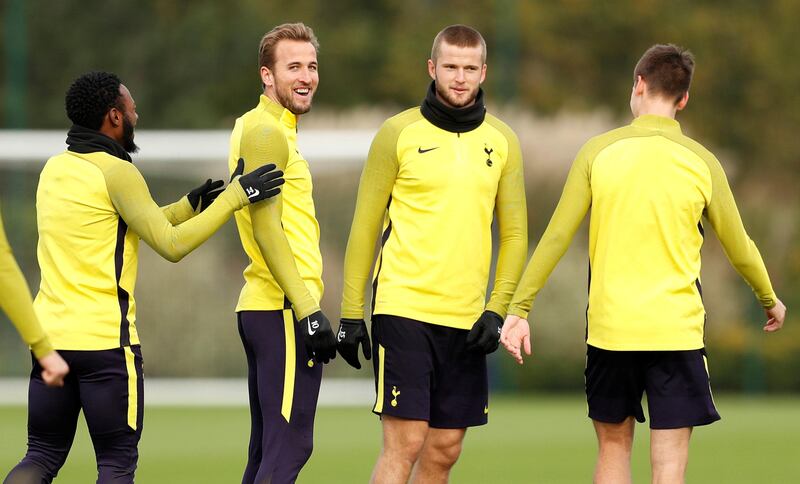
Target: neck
{"points": [[270, 93], [109, 131], [658, 108]]}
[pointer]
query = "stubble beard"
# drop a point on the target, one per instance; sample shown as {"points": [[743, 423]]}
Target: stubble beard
{"points": [[286, 100], [445, 94]]}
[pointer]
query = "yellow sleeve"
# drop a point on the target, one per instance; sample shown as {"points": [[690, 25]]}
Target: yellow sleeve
{"points": [[15, 301], [570, 211], [261, 144], [512, 221], [739, 248], [374, 191], [179, 212], [131, 198]]}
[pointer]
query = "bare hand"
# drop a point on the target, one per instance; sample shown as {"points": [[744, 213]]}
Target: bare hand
{"points": [[54, 369], [516, 336], [776, 314]]}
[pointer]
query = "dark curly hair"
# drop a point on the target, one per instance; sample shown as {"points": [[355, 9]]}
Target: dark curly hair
{"points": [[90, 97]]}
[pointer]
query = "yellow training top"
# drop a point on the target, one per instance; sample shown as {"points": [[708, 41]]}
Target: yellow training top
{"points": [[280, 235], [91, 209], [648, 187], [437, 193], [15, 300]]}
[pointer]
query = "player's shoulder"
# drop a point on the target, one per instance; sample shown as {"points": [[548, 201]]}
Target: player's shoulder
{"points": [[260, 123], [594, 145], [395, 125], [403, 119], [695, 147], [501, 127], [94, 161]]}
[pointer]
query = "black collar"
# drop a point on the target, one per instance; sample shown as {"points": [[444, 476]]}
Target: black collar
{"points": [[85, 140], [455, 120]]}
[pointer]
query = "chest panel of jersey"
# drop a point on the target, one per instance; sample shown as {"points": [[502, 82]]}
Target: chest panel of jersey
{"points": [[435, 261]]}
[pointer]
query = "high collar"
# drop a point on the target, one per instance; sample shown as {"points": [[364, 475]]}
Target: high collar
{"points": [[660, 123], [84, 140], [455, 120], [286, 117]]}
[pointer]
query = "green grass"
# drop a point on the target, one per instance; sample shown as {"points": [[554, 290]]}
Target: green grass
{"points": [[533, 439]]}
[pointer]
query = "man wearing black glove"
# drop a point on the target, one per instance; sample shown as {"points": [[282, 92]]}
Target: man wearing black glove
{"points": [[262, 183], [93, 208], [353, 332], [317, 333], [435, 180], [484, 337], [202, 196], [285, 336]]}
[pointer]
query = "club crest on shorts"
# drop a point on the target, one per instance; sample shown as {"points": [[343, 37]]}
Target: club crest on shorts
{"points": [[395, 394]]}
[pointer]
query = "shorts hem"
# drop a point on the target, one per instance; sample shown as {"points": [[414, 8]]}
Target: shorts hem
{"points": [[694, 423], [615, 419]]}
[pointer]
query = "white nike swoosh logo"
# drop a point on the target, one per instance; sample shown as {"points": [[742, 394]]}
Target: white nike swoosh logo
{"points": [[254, 193], [311, 331]]}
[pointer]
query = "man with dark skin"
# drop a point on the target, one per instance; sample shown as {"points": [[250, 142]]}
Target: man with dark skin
{"points": [[93, 206]]}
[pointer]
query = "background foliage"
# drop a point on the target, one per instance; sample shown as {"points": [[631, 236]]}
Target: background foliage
{"points": [[559, 72]]}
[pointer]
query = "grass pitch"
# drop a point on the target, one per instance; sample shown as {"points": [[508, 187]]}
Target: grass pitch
{"points": [[535, 439]]}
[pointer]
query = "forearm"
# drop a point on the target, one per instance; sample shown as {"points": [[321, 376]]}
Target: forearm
{"points": [[739, 248], [567, 217], [174, 242], [510, 263], [358, 260], [179, 212], [277, 253], [15, 301]]}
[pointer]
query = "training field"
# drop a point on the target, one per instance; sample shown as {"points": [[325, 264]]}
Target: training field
{"points": [[530, 440]]}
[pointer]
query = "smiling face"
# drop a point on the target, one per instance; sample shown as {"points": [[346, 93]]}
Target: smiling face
{"points": [[458, 73], [293, 79]]}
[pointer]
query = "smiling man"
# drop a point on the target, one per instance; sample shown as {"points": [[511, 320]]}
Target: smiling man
{"points": [[285, 335], [436, 177], [92, 208]]}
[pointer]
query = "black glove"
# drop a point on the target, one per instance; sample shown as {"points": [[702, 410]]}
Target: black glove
{"points": [[318, 336], [353, 332], [205, 194], [485, 333], [261, 183]]}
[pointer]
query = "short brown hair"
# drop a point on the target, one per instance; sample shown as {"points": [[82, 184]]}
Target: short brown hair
{"points": [[460, 36], [667, 69], [296, 31]]}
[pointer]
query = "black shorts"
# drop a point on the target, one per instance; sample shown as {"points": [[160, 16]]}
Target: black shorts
{"points": [[676, 383], [424, 372]]}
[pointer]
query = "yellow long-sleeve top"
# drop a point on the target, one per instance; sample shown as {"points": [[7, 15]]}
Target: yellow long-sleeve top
{"points": [[15, 300], [436, 193], [648, 187], [280, 235], [92, 208]]}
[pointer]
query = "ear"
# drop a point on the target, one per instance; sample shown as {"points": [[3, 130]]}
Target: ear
{"points": [[483, 73], [115, 117], [683, 101], [639, 86], [431, 69], [266, 77]]}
